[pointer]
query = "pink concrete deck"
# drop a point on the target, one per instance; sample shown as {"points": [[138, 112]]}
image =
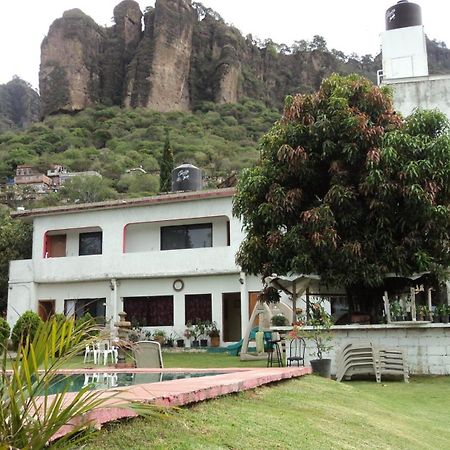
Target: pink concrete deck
{"points": [[180, 392]]}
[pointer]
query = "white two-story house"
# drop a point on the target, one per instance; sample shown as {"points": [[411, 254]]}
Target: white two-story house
{"points": [[164, 260]]}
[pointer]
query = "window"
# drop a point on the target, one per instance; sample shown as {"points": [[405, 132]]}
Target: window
{"points": [[77, 308], [197, 308], [186, 236], [90, 243], [149, 311]]}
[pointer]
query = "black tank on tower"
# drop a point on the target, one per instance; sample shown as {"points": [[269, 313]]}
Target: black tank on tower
{"points": [[403, 14], [186, 178]]}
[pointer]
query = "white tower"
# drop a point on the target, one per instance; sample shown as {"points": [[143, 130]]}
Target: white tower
{"points": [[403, 43]]}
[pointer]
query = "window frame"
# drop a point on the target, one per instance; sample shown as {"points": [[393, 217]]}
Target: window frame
{"points": [[90, 234], [186, 228]]}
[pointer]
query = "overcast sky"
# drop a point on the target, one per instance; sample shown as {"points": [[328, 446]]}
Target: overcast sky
{"points": [[348, 25]]}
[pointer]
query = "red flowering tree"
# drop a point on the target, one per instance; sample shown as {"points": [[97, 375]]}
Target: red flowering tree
{"points": [[348, 190]]}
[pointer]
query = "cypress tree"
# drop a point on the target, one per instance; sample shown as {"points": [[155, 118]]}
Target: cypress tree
{"points": [[166, 166]]}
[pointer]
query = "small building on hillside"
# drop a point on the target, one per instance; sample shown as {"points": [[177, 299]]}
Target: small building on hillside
{"points": [[26, 175], [165, 260]]}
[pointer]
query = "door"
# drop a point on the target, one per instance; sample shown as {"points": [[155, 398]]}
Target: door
{"points": [[253, 298], [231, 314], [46, 309], [56, 246]]}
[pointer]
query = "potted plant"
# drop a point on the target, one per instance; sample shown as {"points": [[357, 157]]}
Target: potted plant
{"points": [[170, 339], [159, 336], [397, 313], [278, 320], [200, 334], [214, 334], [442, 311], [423, 312], [189, 332], [317, 330]]}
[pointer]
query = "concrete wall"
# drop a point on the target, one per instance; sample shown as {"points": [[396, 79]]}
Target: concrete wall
{"points": [[427, 346], [421, 92]]}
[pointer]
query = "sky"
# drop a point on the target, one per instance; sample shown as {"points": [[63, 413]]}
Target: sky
{"points": [[347, 25]]}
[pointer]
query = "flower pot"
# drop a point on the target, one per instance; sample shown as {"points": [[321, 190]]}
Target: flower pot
{"points": [[196, 344], [180, 343], [169, 343], [215, 341], [203, 342], [444, 318], [321, 367]]}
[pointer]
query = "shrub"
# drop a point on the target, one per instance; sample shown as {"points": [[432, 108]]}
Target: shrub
{"points": [[4, 331], [27, 325]]}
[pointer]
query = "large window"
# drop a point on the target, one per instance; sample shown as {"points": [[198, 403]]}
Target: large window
{"points": [[186, 236], [149, 311], [90, 243], [197, 308], [77, 308]]}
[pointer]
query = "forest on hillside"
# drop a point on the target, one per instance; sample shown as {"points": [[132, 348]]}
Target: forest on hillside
{"points": [[110, 140]]}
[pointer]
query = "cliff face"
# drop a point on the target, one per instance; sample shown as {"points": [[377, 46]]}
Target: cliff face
{"points": [[69, 75], [184, 54], [19, 105]]}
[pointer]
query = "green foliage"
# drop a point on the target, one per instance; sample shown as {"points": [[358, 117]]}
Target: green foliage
{"points": [[29, 417], [346, 190], [166, 166], [110, 140], [87, 189], [25, 328], [15, 243], [5, 331]]}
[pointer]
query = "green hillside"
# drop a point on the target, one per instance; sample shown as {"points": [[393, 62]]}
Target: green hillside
{"points": [[111, 140]]}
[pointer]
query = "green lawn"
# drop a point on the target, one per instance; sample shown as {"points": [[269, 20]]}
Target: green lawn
{"points": [[306, 413]]}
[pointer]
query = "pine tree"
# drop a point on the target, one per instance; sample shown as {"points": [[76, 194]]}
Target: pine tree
{"points": [[166, 166]]}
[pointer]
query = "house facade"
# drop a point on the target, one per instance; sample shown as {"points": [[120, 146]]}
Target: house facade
{"points": [[164, 260]]}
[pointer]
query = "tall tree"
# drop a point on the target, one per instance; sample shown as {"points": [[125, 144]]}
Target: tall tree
{"points": [[348, 190], [166, 166]]}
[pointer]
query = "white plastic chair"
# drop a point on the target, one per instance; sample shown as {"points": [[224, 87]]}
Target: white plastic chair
{"points": [[90, 350], [104, 349]]}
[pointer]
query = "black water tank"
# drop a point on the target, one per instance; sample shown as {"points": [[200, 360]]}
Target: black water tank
{"points": [[186, 178], [402, 15]]}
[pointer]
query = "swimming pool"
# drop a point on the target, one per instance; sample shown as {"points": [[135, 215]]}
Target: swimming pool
{"points": [[109, 380]]}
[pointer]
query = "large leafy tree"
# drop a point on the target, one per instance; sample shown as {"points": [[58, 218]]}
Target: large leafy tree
{"points": [[348, 190]]}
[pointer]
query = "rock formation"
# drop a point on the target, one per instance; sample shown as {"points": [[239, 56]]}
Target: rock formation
{"points": [[185, 54], [19, 105]]}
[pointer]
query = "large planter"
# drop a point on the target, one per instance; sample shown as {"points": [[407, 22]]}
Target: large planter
{"points": [[215, 341], [180, 343], [203, 342], [195, 343], [321, 367]]}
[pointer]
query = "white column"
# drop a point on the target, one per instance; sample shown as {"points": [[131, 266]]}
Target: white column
{"points": [[244, 302]]}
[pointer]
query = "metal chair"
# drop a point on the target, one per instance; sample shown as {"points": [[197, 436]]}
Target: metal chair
{"points": [[273, 346], [147, 354], [296, 352]]}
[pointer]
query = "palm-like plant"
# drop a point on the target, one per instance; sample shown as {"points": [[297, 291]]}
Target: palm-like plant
{"points": [[29, 416]]}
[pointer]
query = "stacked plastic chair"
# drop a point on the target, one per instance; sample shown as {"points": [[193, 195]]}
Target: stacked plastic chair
{"points": [[365, 359], [390, 362]]}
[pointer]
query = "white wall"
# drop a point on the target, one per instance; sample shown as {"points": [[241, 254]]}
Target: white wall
{"points": [[427, 346], [425, 93]]}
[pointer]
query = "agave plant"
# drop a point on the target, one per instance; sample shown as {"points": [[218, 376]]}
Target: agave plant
{"points": [[29, 416]]}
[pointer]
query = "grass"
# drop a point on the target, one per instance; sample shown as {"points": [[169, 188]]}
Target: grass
{"points": [[306, 413]]}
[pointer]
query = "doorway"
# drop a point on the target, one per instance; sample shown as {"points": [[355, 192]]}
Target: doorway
{"points": [[253, 298], [231, 316], [46, 309]]}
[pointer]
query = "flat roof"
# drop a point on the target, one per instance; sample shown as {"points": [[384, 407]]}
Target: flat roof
{"points": [[174, 197]]}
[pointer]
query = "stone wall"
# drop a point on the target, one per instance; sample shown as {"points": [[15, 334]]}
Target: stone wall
{"points": [[427, 345]]}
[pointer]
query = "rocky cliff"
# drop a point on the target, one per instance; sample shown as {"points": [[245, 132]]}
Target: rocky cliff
{"points": [[19, 105], [184, 54]]}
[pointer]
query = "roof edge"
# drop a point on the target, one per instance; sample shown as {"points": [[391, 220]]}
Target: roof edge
{"points": [[125, 203]]}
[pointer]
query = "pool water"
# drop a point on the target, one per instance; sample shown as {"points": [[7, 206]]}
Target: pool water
{"points": [[108, 380]]}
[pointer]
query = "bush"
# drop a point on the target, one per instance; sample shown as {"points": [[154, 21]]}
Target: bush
{"points": [[27, 325], [4, 331]]}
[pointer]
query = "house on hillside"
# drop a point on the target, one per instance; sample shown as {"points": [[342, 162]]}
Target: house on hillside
{"points": [[27, 176], [164, 260]]}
